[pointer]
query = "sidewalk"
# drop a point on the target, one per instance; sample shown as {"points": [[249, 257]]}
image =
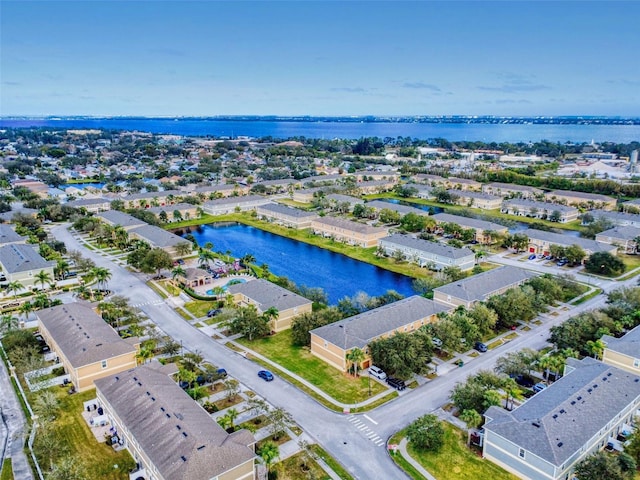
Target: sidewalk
{"points": [[402, 448]]}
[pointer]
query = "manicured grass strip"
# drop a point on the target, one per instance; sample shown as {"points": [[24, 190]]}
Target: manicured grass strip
{"points": [[454, 461], [155, 288], [291, 469], [73, 436], [377, 403], [332, 462], [589, 296], [299, 360], [406, 466], [7, 470], [199, 308]]}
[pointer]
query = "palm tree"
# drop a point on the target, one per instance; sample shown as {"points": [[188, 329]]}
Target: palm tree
{"points": [[596, 348], [61, 269], [265, 270], [102, 275], [26, 308], [247, 259], [43, 277], [144, 354], [269, 452], [14, 287], [270, 314], [8, 323], [178, 272], [355, 357], [232, 413], [473, 420], [512, 390], [208, 246], [480, 254], [183, 248]]}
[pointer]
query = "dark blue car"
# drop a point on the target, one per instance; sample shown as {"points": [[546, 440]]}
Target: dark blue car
{"points": [[265, 375]]}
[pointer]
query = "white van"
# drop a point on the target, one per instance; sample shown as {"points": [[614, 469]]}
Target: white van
{"points": [[377, 372]]}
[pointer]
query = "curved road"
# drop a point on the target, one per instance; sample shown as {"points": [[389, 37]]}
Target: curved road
{"points": [[349, 438]]}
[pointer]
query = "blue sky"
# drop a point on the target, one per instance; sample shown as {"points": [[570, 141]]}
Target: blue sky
{"points": [[319, 58]]}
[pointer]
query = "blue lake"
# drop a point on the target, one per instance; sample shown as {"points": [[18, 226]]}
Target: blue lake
{"points": [[304, 264]]}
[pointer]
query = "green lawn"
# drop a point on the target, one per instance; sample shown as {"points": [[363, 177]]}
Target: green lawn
{"points": [[73, 436], [454, 461], [299, 360], [295, 468], [329, 460], [199, 308], [7, 470]]}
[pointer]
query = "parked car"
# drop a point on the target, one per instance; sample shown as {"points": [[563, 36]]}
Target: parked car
{"points": [[525, 381], [538, 387], [213, 313], [183, 385], [481, 347], [222, 372], [266, 375], [377, 372], [180, 261], [562, 263], [436, 342], [396, 383], [532, 256]]}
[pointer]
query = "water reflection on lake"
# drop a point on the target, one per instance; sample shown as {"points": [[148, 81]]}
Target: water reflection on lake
{"points": [[304, 264]]}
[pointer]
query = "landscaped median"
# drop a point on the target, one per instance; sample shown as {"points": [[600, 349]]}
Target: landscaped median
{"points": [[453, 461], [341, 387]]}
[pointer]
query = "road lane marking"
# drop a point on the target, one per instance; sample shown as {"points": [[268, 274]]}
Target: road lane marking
{"points": [[370, 419]]}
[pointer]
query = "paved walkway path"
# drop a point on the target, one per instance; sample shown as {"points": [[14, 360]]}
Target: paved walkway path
{"points": [[402, 448], [14, 425]]}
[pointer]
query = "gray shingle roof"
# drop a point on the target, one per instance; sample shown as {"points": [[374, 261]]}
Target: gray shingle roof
{"points": [[178, 436], [85, 202], [359, 330], [513, 187], [349, 225], [81, 334], [286, 210], [567, 240], [619, 218], [586, 196], [629, 344], [568, 413], [152, 195], [344, 198], [172, 208], [480, 287], [469, 222], [157, 236], [268, 294], [521, 202], [22, 258], [116, 217], [625, 233], [9, 235], [401, 209], [237, 200], [436, 248], [470, 194]]}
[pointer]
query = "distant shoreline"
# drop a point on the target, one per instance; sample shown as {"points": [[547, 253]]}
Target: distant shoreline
{"points": [[432, 119]]}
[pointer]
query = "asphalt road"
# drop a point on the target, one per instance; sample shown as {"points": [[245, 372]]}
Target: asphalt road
{"points": [[347, 437]]}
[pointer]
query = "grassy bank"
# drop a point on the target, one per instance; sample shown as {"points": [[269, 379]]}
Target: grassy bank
{"points": [[338, 385], [454, 461], [7, 470]]}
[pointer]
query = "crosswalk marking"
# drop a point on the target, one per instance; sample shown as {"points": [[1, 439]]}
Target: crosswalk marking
{"points": [[363, 427]]}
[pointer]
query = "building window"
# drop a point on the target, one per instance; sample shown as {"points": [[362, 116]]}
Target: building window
{"points": [[104, 364], [521, 453]]}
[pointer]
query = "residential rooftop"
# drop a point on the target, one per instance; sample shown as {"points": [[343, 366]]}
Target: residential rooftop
{"points": [[82, 335], [539, 205], [436, 248], [567, 240], [359, 330], [9, 235], [480, 287], [178, 436], [18, 257], [116, 217], [555, 423], [469, 222], [158, 236], [401, 209], [286, 210], [267, 295], [629, 344], [349, 225]]}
